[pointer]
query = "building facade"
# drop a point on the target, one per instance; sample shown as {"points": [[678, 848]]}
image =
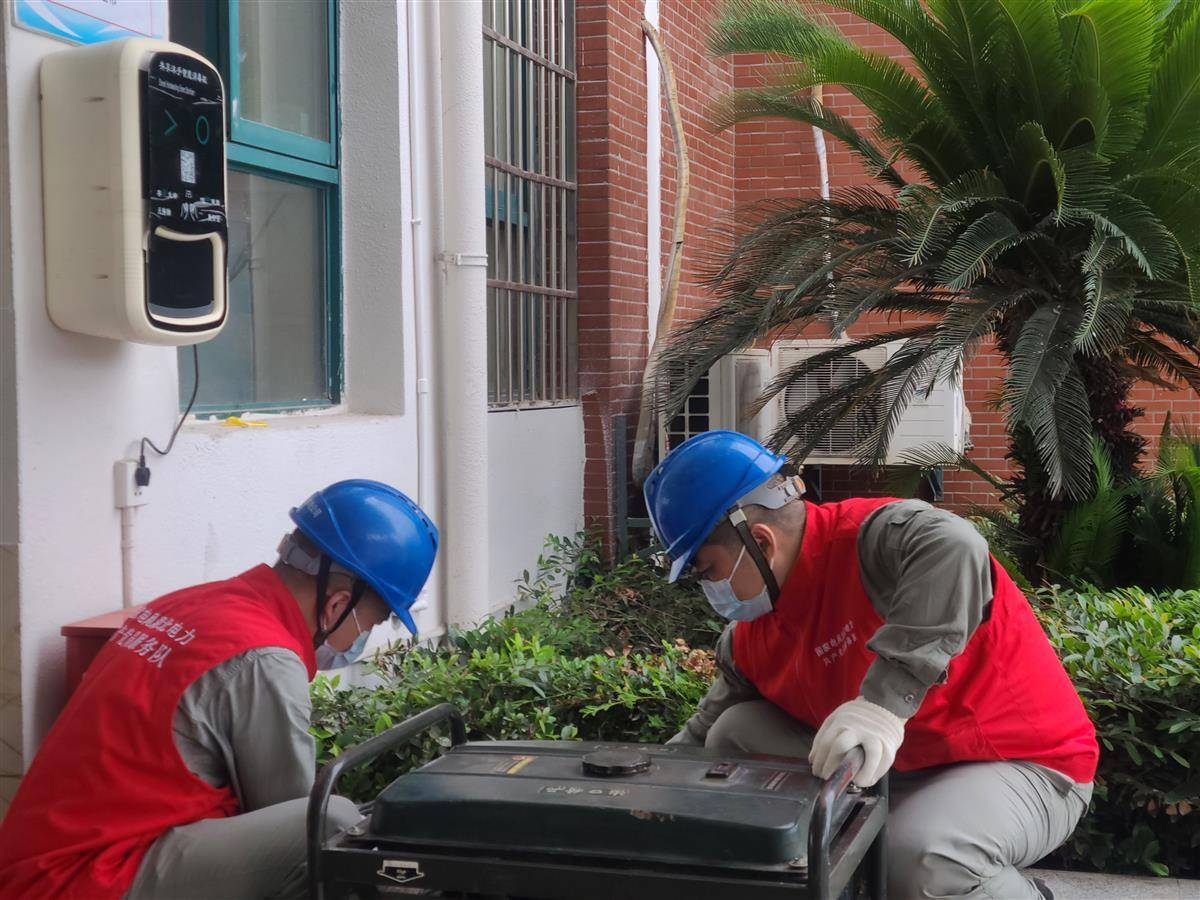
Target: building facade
{"points": [[448, 227]]}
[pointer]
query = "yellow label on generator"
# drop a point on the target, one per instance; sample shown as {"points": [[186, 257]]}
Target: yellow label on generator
{"points": [[519, 763]]}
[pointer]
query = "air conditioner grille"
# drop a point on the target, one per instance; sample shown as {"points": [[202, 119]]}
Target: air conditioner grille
{"points": [[847, 436]]}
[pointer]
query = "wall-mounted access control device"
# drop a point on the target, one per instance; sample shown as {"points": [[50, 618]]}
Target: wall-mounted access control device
{"points": [[133, 171]]}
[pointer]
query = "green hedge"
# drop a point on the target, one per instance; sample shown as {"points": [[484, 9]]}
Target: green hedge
{"points": [[1135, 659], [604, 664], [599, 652], [510, 684]]}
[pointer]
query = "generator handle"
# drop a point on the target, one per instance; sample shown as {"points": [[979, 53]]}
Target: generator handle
{"points": [[397, 736], [820, 832]]}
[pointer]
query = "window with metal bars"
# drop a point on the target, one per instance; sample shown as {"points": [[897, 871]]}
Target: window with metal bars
{"points": [[529, 138]]}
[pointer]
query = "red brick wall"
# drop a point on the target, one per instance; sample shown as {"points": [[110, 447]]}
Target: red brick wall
{"points": [[611, 233], [700, 81], [768, 159], [612, 207]]}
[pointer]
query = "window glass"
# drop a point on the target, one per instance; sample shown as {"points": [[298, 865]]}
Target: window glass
{"points": [[273, 347], [283, 65]]}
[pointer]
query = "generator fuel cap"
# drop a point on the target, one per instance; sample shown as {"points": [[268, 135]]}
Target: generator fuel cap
{"points": [[610, 763]]}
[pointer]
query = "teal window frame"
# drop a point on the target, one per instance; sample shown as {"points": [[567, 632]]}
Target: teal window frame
{"points": [[269, 152], [247, 131]]}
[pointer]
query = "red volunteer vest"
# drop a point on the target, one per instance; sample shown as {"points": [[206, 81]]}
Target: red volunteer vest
{"points": [[108, 779], [1006, 696]]}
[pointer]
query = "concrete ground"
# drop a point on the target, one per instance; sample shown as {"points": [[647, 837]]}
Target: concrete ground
{"points": [[1093, 886]]}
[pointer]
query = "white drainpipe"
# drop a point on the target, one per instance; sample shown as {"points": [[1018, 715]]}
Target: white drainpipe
{"points": [[462, 377], [425, 322], [819, 142], [653, 181]]}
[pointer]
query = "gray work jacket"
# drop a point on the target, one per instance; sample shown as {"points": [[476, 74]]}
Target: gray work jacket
{"points": [[244, 724], [928, 574]]}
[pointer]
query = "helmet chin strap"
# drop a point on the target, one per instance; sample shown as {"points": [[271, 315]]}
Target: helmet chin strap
{"points": [[292, 555], [737, 518], [357, 589]]}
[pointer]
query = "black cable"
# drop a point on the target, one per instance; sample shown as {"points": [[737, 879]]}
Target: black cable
{"points": [[142, 475]]}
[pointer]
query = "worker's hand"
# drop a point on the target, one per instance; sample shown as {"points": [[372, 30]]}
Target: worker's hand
{"points": [[857, 723]]}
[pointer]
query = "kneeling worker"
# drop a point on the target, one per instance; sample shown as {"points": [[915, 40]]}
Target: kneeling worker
{"points": [[883, 624], [182, 765]]}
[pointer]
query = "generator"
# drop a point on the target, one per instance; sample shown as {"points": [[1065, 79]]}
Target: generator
{"points": [[566, 820]]}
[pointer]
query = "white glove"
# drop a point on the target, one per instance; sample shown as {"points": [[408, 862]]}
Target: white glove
{"points": [[858, 723]]}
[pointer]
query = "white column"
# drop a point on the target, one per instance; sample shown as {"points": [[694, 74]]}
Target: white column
{"points": [[462, 329]]}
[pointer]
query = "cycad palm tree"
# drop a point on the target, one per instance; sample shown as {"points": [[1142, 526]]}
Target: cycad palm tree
{"points": [[1055, 209]]}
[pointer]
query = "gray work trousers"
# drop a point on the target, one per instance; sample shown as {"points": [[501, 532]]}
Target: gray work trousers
{"points": [[255, 855], [962, 831]]}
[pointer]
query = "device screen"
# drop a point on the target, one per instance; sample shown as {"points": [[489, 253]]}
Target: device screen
{"points": [[184, 176], [187, 166]]}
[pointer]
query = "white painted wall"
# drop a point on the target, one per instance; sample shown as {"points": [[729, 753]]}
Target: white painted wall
{"points": [[219, 502], [535, 475]]}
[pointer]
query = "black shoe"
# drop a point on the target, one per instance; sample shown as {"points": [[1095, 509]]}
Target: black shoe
{"points": [[1043, 887]]}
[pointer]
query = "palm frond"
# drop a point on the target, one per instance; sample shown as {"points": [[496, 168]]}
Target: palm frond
{"points": [[867, 290], [1105, 320], [1145, 349], [907, 113], [970, 30], [1032, 31], [1034, 171], [1045, 393], [924, 223], [1168, 310], [968, 321], [1081, 120], [1172, 16], [1085, 187], [1039, 364], [1091, 533], [1140, 232], [979, 246], [1113, 41], [767, 26], [1174, 107], [1062, 429], [936, 455], [919, 359]]}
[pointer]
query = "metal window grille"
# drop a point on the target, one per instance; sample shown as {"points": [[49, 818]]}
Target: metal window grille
{"points": [[529, 139], [693, 419]]}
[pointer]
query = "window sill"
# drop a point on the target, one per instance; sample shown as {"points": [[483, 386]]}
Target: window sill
{"points": [[209, 424], [534, 407]]}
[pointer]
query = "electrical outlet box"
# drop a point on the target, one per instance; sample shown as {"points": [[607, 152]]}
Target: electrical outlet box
{"points": [[127, 491]]}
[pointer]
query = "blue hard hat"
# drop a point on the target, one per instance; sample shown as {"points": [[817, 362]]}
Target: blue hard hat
{"points": [[698, 483], [376, 532]]}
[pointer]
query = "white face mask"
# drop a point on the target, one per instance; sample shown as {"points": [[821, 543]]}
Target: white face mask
{"points": [[330, 658], [726, 603]]}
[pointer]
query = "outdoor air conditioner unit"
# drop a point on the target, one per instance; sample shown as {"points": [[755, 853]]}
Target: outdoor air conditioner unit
{"points": [[940, 418], [722, 399]]}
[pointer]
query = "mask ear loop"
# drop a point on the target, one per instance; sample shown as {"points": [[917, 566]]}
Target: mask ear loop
{"points": [[737, 518], [356, 593]]}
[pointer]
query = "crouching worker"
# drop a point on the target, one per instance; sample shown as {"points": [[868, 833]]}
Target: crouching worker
{"points": [[182, 765], [883, 624]]}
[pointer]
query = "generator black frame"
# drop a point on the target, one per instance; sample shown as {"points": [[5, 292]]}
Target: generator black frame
{"points": [[345, 861]]}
